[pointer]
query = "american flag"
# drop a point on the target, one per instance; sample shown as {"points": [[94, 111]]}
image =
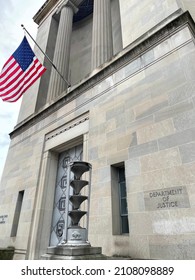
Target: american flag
{"points": [[20, 71]]}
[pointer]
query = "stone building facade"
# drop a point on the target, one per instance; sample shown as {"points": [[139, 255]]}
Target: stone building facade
{"points": [[128, 108]]}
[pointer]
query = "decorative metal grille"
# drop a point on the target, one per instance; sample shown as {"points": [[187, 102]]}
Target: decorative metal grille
{"points": [[73, 154]]}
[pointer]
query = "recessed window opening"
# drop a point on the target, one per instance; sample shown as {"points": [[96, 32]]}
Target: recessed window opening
{"points": [[17, 214], [123, 201], [120, 224]]}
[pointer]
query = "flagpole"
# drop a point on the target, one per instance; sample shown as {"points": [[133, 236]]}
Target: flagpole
{"points": [[47, 57]]}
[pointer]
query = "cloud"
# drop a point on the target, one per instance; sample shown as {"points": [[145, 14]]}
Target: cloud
{"points": [[12, 15], [4, 140], [6, 7], [8, 116], [5, 115]]}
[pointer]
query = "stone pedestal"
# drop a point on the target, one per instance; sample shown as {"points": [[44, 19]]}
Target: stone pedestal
{"points": [[74, 253]]}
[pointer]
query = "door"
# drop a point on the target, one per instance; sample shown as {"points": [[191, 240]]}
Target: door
{"points": [[73, 154]]}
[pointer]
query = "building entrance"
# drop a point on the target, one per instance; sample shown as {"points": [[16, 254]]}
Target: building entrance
{"points": [[58, 223]]}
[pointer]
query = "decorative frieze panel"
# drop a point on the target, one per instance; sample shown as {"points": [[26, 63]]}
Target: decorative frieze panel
{"points": [[67, 127]]}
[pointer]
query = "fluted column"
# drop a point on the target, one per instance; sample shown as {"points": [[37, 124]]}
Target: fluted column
{"points": [[102, 43], [62, 50]]}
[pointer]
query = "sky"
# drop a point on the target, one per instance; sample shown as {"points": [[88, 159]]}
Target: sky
{"points": [[12, 14]]}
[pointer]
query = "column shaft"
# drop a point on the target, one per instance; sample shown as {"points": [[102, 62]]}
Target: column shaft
{"points": [[62, 53], [102, 43]]}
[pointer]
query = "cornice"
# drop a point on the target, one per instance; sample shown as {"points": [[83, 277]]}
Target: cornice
{"points": [[44, 10], [126, 56], [49, 5]]}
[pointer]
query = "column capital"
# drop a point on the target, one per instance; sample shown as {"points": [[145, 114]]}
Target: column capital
{"points": [[67, 3]]}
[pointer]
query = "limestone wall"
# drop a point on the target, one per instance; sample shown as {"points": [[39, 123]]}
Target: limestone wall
{"points": [[81, 50], [136, 19], [147, 122], [139, 17]]}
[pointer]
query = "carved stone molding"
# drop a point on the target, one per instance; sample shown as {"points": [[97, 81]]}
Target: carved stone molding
{"points": [[66, 127]]}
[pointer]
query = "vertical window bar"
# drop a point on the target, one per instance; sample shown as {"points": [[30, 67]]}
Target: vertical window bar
{"points": [[123, 200]]}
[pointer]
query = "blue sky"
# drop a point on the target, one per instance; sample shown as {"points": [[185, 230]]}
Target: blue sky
{"points": [[12, 14]]}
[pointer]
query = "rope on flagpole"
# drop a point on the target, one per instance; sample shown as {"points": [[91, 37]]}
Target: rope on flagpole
{"points": [[69, 85]]}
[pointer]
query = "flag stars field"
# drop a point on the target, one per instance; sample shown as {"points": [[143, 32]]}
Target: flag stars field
{"points": [[24, 55]]}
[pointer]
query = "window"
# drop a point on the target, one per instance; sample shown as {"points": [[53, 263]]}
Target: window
{"points": [[120, 223], [17, 214], [123, 201]]}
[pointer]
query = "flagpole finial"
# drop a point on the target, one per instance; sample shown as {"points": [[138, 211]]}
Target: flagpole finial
{"points": [[22, 25]]}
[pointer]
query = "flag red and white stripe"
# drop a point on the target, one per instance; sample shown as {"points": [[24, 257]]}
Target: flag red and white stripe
{"points": [[20, 71]]}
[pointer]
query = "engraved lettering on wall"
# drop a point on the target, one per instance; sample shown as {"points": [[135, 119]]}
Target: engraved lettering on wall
{"points": [[166, 199]]}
